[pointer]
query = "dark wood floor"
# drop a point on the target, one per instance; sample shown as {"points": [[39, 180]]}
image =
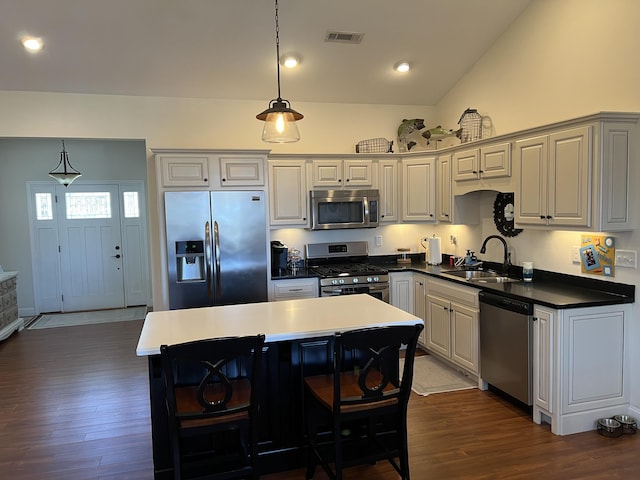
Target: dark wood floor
{"points": [[74, 404]]}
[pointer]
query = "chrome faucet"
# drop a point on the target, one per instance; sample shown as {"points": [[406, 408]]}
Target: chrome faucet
{"points": [[507, 256]]}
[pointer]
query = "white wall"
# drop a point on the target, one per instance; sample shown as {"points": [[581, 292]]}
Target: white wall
{"points": [[168, 123], [560, 59]]}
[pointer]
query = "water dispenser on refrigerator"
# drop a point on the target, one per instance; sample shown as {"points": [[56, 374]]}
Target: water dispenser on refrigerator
{"points": [[190, 261]]}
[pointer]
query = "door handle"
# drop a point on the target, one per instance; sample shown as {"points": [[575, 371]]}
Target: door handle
{"points": [[116, 256]]}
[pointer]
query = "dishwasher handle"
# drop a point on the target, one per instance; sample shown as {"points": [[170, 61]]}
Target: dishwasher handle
{"points": [[506, 303]]}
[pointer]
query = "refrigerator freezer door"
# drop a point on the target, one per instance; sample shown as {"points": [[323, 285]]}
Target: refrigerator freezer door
{"points": [[186, 214], [239, 247]]}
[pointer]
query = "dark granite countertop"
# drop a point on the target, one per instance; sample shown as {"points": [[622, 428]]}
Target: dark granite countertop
{"points": [[555, 290], [550, 289]]}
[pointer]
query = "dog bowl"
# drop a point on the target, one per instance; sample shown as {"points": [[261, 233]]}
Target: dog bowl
{"points": [[629, 424], [609, 427]]}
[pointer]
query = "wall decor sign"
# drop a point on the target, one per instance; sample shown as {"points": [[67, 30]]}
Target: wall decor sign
{"points": [[597, 255]]}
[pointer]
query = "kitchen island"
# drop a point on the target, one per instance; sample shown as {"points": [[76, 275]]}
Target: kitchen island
{"points": [[298, 343]]}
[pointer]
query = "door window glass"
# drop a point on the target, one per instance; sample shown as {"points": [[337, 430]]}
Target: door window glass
{"points": [[88, 205], [43, 206], [131, 205]]}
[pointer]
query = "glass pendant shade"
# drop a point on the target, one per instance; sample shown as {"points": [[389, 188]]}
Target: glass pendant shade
{"points": [[64, 173], [280, 123], [279, 119]]}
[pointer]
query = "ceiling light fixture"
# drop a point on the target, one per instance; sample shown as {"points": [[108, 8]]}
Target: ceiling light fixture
{"points": [[279, 119], [290, 60], [64, 172], [32, 44], [402, 67]]}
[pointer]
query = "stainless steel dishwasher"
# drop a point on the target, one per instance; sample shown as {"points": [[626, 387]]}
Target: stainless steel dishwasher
{"points": [[506, 345]]}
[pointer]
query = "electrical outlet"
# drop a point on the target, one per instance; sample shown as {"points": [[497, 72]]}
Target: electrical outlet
{"points": [[575, 254], [378, 240], [627, 258], [453, 239]]}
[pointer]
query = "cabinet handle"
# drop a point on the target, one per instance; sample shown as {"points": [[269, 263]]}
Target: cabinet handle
{"points": [[347, 179], [204, 179], [475, 172], [542, 217], [224, 179], [535, 319], [549, 217], [446, 214]]}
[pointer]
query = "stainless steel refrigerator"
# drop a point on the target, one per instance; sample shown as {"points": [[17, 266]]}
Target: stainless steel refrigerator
{"points": [[216, 248]]}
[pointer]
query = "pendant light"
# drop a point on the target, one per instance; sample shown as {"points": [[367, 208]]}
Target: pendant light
{"points": [[64, 172], [279, 119]]}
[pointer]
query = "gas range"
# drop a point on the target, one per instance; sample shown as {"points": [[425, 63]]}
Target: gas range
{"points": [[344, 269]]}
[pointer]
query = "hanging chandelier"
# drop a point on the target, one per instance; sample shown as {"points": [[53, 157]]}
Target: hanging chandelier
{"points": [[64, 172], [279, 119]]}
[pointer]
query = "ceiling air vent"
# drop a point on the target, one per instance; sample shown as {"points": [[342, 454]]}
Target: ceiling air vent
{"points": [[344, 37]]}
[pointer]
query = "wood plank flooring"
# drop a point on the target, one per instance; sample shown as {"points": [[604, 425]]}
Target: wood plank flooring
{"points": [[74, 405]]}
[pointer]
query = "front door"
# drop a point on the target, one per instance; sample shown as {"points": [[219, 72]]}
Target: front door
{"points": [[91, 264]]}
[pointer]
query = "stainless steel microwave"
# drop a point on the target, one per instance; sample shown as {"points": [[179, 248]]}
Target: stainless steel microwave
{"points": [[335, 209]]}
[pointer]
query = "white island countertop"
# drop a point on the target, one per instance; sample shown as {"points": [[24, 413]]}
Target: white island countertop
{"points": [[278, 321]]}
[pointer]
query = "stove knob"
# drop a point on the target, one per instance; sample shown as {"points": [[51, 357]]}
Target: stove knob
{"points": [[355, 279], [369, 279], [334, 282], [341, 281], [376, 279]]}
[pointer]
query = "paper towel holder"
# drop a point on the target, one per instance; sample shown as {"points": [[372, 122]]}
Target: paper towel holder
{"points": [[433, 254]]}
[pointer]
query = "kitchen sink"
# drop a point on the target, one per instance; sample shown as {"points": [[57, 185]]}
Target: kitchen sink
{"points": [[480, 276]]}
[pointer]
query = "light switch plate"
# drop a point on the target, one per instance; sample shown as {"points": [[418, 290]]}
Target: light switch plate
{"points": [[378, 240], [575, 254], [627, 258]]}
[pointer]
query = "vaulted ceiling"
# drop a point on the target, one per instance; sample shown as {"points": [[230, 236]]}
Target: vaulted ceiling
{"points": [[226, 48]]}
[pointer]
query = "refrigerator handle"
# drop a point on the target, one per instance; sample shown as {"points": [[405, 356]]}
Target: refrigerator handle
{"points": [[207, 256], [216, 252]]}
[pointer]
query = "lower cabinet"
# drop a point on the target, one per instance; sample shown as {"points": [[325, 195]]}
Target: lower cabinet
{"points": [[291, 289], [408, 293], [580, 369], [452, 313]]}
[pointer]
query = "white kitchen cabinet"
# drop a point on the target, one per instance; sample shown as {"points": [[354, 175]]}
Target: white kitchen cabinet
{"points": [[585, 375], [288, 195], [444, 204], [579, 177], [543, 325], [401, 291], [452, 313], [388, 186], [292, 289], [554, 179], [211, 169], [487, 167], [184, 170], [419, 189], [489, 161], [241, 170], [338, 173], [419, 303], [408, 292]]}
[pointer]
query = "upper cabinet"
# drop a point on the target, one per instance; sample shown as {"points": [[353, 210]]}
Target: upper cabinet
{"points": [[419, 189], [444, 193], [578, 177], [388, 186], [241, 170], [184, 170], [554, 179], [337, 173], [487, 167], [210, 169], [288, 193]]}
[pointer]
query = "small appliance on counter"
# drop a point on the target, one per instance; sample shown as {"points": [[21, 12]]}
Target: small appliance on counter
{"points": [[279, 257]]}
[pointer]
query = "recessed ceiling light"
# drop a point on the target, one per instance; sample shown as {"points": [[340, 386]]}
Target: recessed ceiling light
{"points": [[32, 44], [290, 60], [402, 67]]}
